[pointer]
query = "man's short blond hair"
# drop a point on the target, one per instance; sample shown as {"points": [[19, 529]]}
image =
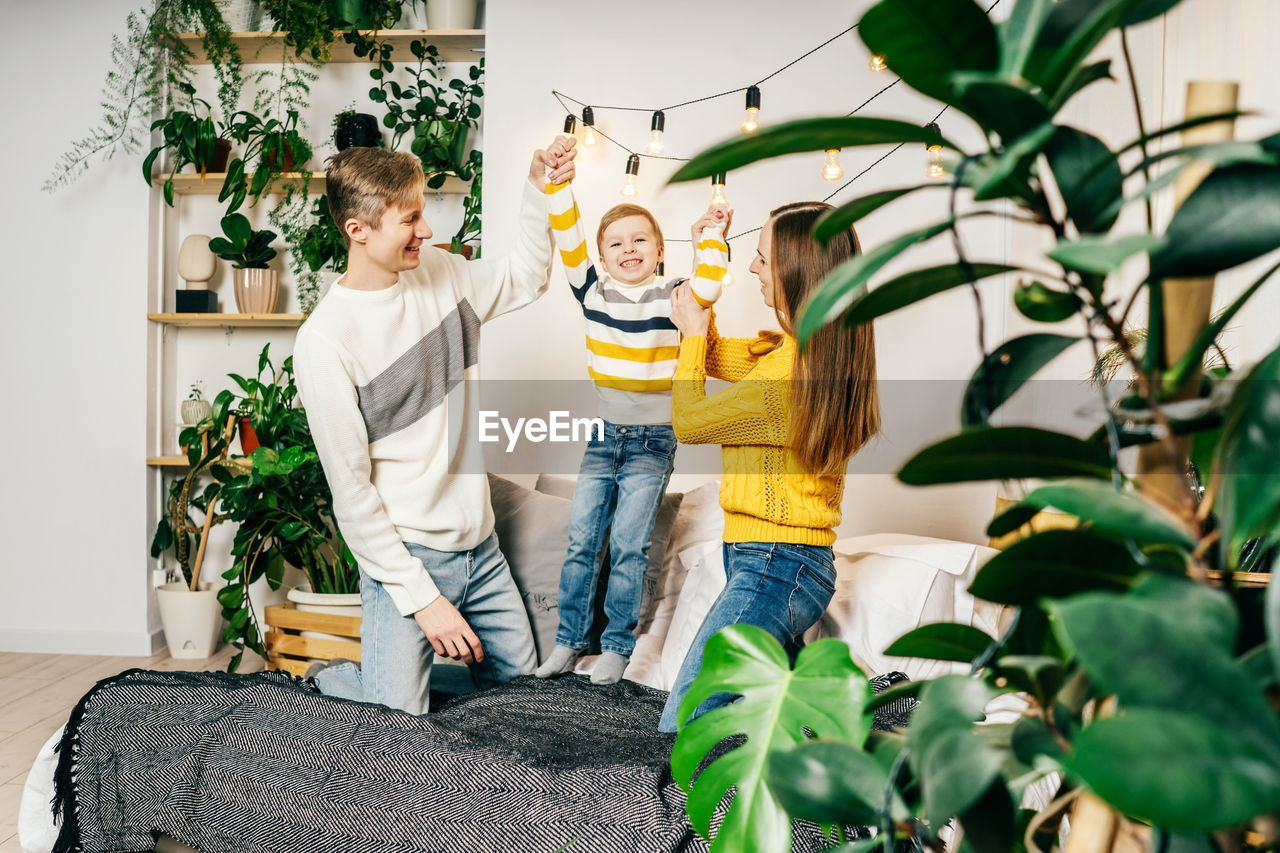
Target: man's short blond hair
{"points": [[622, 211], [363, 182]]}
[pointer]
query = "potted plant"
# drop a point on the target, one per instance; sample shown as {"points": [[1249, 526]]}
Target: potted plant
{"points": [[469, 230], [273, 146], [353, 129], [1133, 656], [256, 286], [196, 408], [364, 14], [191, 138]]}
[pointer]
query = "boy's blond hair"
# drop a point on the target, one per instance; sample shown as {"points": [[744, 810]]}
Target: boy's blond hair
{"points": [[363, 182], [622, 211]]}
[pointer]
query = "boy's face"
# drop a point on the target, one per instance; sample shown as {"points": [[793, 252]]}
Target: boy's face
{"points": [[630, 250], [396, 243]]}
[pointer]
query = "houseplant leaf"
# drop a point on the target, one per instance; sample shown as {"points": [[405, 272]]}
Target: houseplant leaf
{"points": [[846, 215], [826, 694], [1112, 511], [1054, 563], [1070, 33], [1246, 460], [1101, 254], [912, 287], [952, 762], [1209, 612], [1043, 304], [941, 641], [1004, 453], [1019, 32], [1232, 217], [997, 103], [1088, 176], [1005, 370], [925, 40], [831, 782], [1082, 77]]}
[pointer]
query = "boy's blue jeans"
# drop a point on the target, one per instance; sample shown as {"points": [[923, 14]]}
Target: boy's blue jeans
{"points": [[622, 480], [777, 586], [396, 657]]}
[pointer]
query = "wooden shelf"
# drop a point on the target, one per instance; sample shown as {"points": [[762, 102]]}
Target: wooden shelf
{"points": [[191, 183], [261, 321], [454, 45], [167, 462]]}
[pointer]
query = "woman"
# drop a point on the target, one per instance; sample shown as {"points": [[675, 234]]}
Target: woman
{"points": [[788, 426]]}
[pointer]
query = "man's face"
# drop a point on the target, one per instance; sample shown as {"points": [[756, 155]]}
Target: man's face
{"points": [[629, 249], [395, 245]]}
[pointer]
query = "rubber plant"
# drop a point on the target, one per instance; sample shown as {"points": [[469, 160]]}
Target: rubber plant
{"points": [[1141, 692]]}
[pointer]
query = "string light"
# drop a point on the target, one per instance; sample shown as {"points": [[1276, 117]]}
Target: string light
{"points": [[629, 188], [655, 134], [935, 169], [877, 63], [717, 190], [728, 276], [751, 122], [588, 127], [570, 124], [832, 170]]}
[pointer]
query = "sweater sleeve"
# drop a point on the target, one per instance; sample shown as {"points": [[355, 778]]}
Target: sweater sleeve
{"points": [[570, 239], [753, 411], [496, 287], [342, 441], [728, 358], [711, 263]]}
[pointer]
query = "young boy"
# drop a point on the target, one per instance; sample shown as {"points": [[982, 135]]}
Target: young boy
{"points": [[383, 367], [632, 349]]}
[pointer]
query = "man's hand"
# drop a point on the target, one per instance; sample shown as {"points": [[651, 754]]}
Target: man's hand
{"points": [[716, 215], [554, 164], [448, 632], [688, 316]]}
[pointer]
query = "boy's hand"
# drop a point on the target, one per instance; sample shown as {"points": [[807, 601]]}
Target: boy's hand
{"points": [[448, 633], [554, 164], [718, 215]]}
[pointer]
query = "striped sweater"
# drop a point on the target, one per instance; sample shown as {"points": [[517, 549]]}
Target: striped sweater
{"points": [[632, 345]]}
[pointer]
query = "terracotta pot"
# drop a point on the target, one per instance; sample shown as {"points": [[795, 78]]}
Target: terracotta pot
{"points": [[466, 251], [288, 165], [257, 290], [248, 438]]}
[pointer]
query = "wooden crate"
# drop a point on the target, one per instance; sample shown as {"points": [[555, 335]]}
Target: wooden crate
{"points": [[288, 650]]}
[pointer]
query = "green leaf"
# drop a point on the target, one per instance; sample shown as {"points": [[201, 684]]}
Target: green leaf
{"points": [[941, 641], [1043, 304], [1145, 10], [1005, 370], [1248, 503], [1011, 519], [1004, 175], [825, 694], [1088, 176], [844, 217], [1101, 254], [1210, 612], [829, 782], [1078, 80], [847, 282], [1056, 564], [817, 134], [954, 765], [1005, 453], [912, 287], [999, 104], [989, 824], [923, 41], [1039, 675], [1128, 760], [1112, 511], [1071, 32], [1018, 34], [1271, 617], [1231, 218], [1032, 739]]}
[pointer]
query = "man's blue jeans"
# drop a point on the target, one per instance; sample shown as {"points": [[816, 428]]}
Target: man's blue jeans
{"points": [[396, 657], [779, 587], [622, 480]]}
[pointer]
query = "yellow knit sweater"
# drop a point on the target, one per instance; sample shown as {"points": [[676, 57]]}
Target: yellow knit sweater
{"points": [[766, 494]]}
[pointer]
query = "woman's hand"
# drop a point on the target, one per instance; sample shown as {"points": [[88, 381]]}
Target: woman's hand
{"points": [[689, 317], [557, 158], [716, 215]]}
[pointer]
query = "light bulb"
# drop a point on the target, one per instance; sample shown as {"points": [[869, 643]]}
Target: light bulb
{"points": [[655, 146], [832, 170], [589, 137], [877, 63], [588, 127], [935, 169], [727, 280], [629, 188], [751, 122], [717, 190]]}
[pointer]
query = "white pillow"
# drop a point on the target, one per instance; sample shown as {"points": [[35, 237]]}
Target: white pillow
{"points": [[705, 579]]}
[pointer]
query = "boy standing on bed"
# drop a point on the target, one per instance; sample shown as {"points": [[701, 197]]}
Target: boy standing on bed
{"points": [[385, 368], [632, 350]]}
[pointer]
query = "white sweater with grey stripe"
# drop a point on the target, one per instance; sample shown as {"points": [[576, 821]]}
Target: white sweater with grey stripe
{"points": [[384, 376]]}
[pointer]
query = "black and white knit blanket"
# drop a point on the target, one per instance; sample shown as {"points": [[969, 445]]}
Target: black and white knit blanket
{"points": [[264, 762]]}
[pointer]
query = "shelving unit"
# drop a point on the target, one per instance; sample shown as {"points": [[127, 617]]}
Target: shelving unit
{"points": [[454, 45], [260, 321]]}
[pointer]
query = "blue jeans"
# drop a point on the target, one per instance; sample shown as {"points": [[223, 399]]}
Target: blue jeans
{"points": [[779, 587], [622, 480], [396, 657]]}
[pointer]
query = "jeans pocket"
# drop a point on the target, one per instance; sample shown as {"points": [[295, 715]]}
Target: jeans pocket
{"points": [[660, 446], [809, 599]]}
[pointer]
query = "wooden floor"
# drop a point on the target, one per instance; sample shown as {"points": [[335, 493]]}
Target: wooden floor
{"points": [[37, 693]]}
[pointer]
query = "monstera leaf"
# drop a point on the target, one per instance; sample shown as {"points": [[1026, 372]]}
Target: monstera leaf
{"points": [[825, 694]]}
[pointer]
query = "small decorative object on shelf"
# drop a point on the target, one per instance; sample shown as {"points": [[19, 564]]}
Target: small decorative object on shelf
{"points": [[257, 288], [196, 408], [242, 16], [356, 130], [451, 15], [196, 265], [413, 15]]}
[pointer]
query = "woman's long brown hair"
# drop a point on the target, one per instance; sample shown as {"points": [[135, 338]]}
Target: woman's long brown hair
{"points": [[834, 402]]}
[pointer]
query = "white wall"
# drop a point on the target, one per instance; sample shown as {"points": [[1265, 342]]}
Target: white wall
{"points": [[76, 282]]}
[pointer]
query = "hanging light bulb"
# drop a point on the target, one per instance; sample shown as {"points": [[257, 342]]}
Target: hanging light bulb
{"points": [[750, 123], [717, 190], [629, 188], [588, 127], [877, 63], [655, 134], [832, 170], [935, 169], [570, 124]]}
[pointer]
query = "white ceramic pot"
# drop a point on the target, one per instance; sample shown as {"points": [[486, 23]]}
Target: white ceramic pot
{"points": [[192, 620], [194, 411], [413, 15], [336, 604], [451, 14], [241, 16], [256, 290]]}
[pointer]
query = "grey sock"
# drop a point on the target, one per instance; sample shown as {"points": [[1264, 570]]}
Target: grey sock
{"points": [[560, 660], [609, 668]]}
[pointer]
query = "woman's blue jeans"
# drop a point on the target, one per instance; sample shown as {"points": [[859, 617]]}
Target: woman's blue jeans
{"points": [[620, 487], [777, 586]]}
